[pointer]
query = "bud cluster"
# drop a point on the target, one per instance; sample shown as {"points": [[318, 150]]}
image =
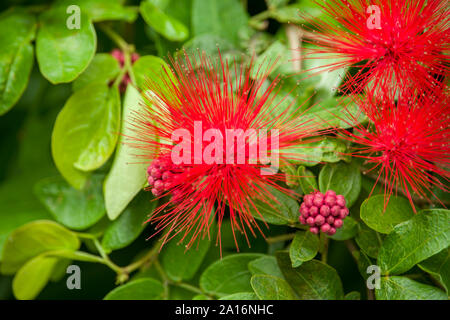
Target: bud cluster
{"points": [[323, 212], [163, 176]]}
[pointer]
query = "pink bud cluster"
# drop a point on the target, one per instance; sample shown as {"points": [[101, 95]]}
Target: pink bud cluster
{"points": [[162, 176], [323, 212]]}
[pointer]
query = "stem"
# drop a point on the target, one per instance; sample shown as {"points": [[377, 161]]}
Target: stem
{"points": [[145, 259], [166, 280], [106, 260], [294, 35], [324, 241], [283, 237], [114, 36], [188, 287]]}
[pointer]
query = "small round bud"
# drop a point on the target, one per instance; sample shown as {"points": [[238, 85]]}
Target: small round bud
{"points": [[325, 211], [302, 220], [150, 181], [319, 220], [330, 193], [156, 192], [331, 231], [330, 220], [313, 211], [318, 200], [338, 223], [155, 173], [335, 210], [340, 200], [314, 230], [159, 185], [310, 221], [308, 200], [330, 201], [343, 213], [325, 227]]}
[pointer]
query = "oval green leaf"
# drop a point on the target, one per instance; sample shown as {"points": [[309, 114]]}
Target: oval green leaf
{"points": [[103, 68], [35, 238], [75, 209], [17, 30], [415, 240], [343, 178], [373, 212], [228, 275], [303, 248], [142, 289], [64, 53], [272, 288], [86, 132]]}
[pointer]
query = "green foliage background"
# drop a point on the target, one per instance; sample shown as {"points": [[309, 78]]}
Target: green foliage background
{"points": [[69, 196]]}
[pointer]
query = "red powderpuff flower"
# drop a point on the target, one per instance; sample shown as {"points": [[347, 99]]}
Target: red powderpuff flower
{"points": [[202, 96], [407, 142], [388, 41]]}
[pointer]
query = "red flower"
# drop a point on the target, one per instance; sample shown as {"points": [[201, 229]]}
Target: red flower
{"points": [[407, 141], [389, 41], [204, 99]]}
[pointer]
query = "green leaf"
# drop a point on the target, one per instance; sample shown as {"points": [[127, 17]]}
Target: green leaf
{"points": [[130, 224], [32, 277], [141, 289], [86, 132], [103, 10], [35, 238], [334, 113], [150, 67], [325, 150], [228, 275], [348, 230], [75, 209], [312, 280], [64, 53], [376, 217], [265, 265], [17, 30], [164, 24], [353, 295], [222, 18], [402, 288], [439, 267], [415, 240], [272, 288], [303, 248], [180, 263], [369, 240], [208, 44], [307, 180], [128, 174], [241, 296], [103, 68], [274, 57], [343, 178], [280, 212]]}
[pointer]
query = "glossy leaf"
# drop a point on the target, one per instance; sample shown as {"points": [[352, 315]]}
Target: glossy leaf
{"points": [[374, 214], [402, 288], [86, 132], [312, 280], [272, 288], [303, 248], [415, 240], [17, 30], [228, 275], [76, 209], [343, 178], [128, 173], [33, 239], [265, 265], [33, 276], [165, 25], [142, 289], [103, 68], [56, 45]]}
